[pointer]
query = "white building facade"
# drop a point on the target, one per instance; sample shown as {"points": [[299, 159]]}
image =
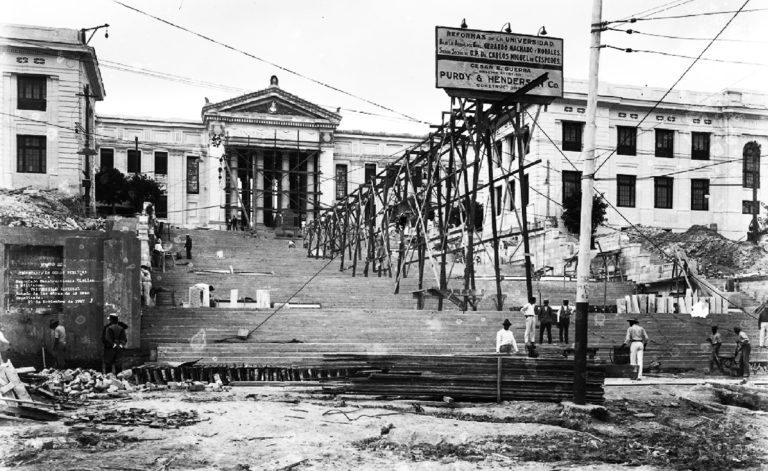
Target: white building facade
{"points": [[691, 161], [46, 75]]}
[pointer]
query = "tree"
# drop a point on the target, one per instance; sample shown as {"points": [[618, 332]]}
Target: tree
{"points": [[572, 213], [111, 187], [143, 188]]}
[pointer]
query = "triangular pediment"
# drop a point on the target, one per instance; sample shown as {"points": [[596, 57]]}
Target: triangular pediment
{"points": [[272, 103]]}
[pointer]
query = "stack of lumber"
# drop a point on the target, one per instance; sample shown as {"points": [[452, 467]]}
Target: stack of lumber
{"points": [[15, 399], [464, 377]]}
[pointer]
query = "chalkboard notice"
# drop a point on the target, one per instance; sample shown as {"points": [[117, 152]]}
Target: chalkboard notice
{"points": [[35, 276]]}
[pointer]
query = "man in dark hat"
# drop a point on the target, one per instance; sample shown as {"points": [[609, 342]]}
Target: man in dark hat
{"points": [[114, 344], [636, 339], [505, 339], [59, 345], [546, 318], [743, 349], [188, 246]]}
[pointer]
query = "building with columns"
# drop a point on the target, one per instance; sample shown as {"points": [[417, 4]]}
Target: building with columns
{"points": [[253, 157]]}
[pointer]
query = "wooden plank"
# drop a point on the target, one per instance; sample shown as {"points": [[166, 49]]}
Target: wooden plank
{"points": [[12, 377]]}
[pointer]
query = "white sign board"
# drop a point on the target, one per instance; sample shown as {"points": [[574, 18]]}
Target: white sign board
{"points": [[486, 61]]}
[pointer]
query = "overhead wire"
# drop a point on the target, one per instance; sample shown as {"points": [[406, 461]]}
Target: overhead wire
{"points": [[685, 38], [679, 79], [683, 56], [687, 15], [268, 62]]}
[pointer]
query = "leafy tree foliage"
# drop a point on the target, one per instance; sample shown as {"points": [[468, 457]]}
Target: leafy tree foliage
{"points": [[143, 188], [572, 213], [111, 187]]}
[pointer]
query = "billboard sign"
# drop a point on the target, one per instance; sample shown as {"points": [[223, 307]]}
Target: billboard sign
{"points": [[486, 62]]}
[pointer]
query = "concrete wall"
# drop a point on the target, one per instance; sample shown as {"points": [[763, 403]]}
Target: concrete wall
{"points": [[100, 275]]}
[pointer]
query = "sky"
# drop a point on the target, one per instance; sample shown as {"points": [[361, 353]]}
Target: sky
{"points": [[382, 52]]}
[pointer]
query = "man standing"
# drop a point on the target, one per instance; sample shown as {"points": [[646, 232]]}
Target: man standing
{"points": [[146, 286], [546, 317], [762, 324], [564, 321], [716, 340], [114, 344], [505, 339], [529, 311], [743, 349], [188, 246], [59, 336], [636, 340]]}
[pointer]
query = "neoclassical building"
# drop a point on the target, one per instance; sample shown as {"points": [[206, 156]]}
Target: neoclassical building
{"points": [[254, 156]]}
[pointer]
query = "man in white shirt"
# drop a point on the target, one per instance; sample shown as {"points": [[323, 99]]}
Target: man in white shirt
{"points": [[636, 339], [505, 339], [529, 311]]}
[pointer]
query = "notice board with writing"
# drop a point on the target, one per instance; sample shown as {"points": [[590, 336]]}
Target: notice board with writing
{"points": [[35, 277]]}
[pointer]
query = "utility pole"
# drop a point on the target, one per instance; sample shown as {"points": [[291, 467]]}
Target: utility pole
{"points": [[89, 171], [585, 235], [524, 196]]}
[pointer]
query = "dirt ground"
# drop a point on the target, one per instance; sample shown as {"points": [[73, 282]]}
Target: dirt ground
{"points": [[278, 428]]}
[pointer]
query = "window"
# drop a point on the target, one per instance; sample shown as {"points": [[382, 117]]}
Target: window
{"points": [[626, 143], [107, 159], [524, 190], [161, 163], [511, 194], [341, 181], [161, 208], [32, 92], [193, 175], [572, 132], [700, 194], [625, 190], [370, 173], [571, 184], [665, 143], [498, 194], [418, 176], [134, 161], [499, 151], [700, 146], [30, 154], [662, 192], [751, 165], [747, 207]]}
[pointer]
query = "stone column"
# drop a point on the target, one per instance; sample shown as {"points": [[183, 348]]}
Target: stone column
{"points": [[234, 200], [259, 197], [327, 182], [285, 182], [309, 201]]}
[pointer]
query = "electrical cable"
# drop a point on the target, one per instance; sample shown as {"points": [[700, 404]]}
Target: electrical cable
{"points": [[679, 79], [273, 64], [682, 56], [685, 38], [688, 15]]}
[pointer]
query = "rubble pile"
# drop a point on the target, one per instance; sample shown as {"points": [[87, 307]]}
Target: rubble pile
{"points": [[137, 417], [82, 384], [715, 254], [46, 209]]}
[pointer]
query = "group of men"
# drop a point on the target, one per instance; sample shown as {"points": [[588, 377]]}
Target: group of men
{"points": [[636, 338], [505, 340], [113, 338]]}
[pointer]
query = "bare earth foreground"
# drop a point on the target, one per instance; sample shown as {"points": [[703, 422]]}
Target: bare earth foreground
{"points": [[280, 428]]}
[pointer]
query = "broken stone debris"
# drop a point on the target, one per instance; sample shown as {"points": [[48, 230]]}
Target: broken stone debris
{"points": [[137, 417], [46, 209], [82, 384]]}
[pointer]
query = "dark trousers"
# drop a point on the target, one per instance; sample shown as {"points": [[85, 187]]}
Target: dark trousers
{"points": [[58, 355], [548, 327], [189, 253], [742, 359], [562, 328]]}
